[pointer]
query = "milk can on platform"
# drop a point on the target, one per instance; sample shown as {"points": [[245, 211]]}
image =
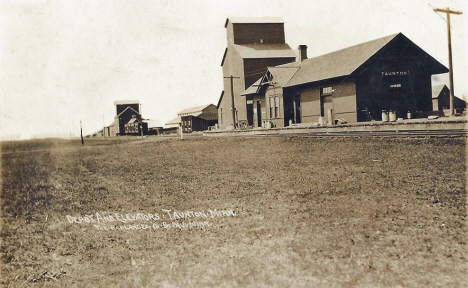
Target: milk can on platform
{"points": [[392, 116], [384, 116], [409, 115]]}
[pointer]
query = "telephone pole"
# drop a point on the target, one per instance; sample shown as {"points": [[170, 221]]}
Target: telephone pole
{"points": [[81, 132], [141, 124], [448, 12], [233, 107]]}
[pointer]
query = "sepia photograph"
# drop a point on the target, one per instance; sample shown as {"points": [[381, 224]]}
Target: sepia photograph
{"points": [[203, 143]]}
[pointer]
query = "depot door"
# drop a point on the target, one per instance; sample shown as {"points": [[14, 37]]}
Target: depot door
{"points": [[259, 113], [297, 108]]}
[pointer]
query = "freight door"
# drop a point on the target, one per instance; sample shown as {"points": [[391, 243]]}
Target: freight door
{"points": [[326, 103]]}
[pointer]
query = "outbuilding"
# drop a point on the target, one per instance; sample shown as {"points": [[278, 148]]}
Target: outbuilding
{"points": [[441, 100], [128, 119], [198, 118], [136, 126]]}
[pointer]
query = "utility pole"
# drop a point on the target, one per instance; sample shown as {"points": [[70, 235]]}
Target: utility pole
{"points": [[233, 107], [141, 124], [181, 131], [448, 12], [81, 132], [103, 127]]}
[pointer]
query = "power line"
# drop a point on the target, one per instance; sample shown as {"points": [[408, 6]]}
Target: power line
{"points": [[434, 9], [263, 72]]}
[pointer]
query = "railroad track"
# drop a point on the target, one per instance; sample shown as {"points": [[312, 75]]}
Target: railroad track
{"points": [[452, 133]]}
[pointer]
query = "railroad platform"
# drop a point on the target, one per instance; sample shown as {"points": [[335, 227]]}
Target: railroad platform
{"points": [[444, 126]]}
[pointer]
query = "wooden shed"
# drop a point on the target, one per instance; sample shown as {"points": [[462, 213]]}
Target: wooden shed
{"points": [[441, 100], [198, 118]]}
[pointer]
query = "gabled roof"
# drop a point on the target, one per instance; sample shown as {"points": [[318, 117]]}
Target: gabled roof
{"points": [[280, 75], [437, 89], [345, 61], [253, 89], [133, 120], [173, 121], [264, 51], [127, 109], [224, 57], [220, 99], [251, 20], [195, 111], [339, 63], [124, 102]]}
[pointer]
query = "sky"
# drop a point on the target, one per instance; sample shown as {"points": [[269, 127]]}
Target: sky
{"points": [[62, 62]]}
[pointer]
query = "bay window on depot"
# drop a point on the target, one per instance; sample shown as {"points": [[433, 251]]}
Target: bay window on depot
{"points": [[277, 107], [274, 107]]}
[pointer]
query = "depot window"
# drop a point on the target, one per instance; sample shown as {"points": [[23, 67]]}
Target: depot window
{"points": [[277, 107], [271, 107], [327, 90]]}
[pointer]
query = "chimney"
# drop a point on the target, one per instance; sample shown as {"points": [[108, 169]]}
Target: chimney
{"points": [[302, 52]]}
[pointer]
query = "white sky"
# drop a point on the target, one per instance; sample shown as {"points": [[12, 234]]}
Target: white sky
{"points": [[66, 61]]}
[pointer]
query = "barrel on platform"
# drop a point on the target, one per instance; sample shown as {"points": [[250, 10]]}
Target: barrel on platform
{"points": [[384, 116]]}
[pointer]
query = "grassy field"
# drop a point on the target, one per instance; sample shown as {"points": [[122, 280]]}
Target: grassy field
{"points": [[300, 212]]}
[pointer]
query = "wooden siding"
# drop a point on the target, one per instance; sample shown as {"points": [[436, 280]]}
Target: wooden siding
{"points": [[272, 93], [271, 33], [192, 123], [121, 107], [435, 104], [310, 102], [233, 65], [343, 100], [209, 113]]}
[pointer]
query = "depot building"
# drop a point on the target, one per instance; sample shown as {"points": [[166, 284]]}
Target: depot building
{"points": [[355, 84]]}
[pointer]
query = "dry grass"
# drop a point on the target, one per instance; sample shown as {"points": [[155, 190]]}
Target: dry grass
{"points": [[311, 212]]}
